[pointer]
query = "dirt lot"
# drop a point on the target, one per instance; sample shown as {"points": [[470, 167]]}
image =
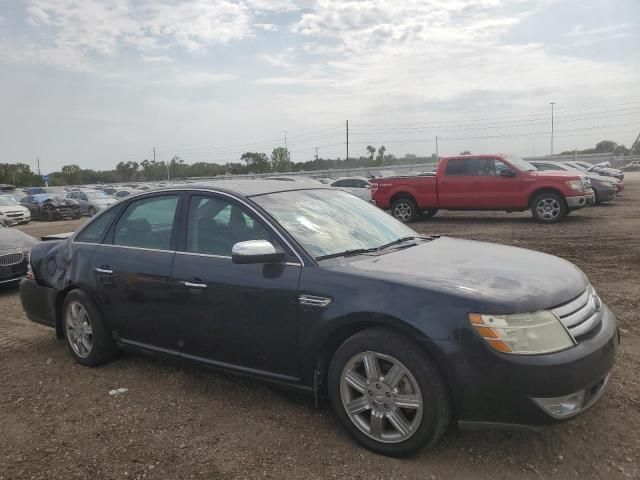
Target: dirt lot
{"points": [[57, 419]]}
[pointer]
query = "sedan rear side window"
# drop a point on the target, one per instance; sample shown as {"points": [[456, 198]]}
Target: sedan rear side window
{"points": [[459, 167], [215, 225], [95, 231], [147, 223]]}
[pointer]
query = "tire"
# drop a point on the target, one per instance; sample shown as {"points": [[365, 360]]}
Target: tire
{"points": [[596, 199], [92, 211], [404, 209], [428, 213], [403, 430], [95, 347], [49, 216], [548, 207]]}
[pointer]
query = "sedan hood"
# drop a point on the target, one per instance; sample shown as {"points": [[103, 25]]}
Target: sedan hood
{"points": [[504, 279], [11, 239]]}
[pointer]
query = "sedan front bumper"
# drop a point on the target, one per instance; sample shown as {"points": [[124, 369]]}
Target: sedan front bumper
{"points": [[491, 389]]}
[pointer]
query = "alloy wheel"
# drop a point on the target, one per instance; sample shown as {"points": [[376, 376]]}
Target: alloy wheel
{"points": [[78, 329], [548, 208], [381, 397], [402, 211]]}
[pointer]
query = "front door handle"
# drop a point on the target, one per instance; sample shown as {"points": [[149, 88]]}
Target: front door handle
{"points": [[106, 271], [194, 285]]}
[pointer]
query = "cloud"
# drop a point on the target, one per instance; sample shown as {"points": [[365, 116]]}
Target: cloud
{"points": [[95, 28]]}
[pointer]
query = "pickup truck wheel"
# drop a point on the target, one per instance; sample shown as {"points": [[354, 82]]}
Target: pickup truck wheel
{"points": [[388, 393], [428, 213], [548, 207], [404, 209]]}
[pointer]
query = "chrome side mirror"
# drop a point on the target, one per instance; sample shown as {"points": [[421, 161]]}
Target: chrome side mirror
{"points": [[255, 251]]}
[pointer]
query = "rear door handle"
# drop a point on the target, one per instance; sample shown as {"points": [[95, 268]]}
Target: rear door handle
{"points": [[194, 285], [106, 271]]}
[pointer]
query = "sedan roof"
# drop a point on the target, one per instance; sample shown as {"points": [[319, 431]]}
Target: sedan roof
{"points": [[250, 188]]}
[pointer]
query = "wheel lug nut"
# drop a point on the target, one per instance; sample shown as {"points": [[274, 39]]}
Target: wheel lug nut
{"points": [[370, 392], [388, 394], [386, 405], [378, 386]]}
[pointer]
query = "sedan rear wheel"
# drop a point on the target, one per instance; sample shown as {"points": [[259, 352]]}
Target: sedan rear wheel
{"points": [[387, 392], [88, 338], [92, 211]]}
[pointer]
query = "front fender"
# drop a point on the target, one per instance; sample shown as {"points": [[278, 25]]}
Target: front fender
{"points": [[358, 302]]}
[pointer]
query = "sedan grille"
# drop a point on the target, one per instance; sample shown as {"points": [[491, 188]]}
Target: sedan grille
{"points": [[9, 259], [581, 314]]}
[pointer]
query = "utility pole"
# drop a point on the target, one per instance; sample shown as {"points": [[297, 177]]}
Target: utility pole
{"points": [[347, 161], [317, 160], [286, 148], [437, 154], [635, 146], [38, 162], [552, 105]]}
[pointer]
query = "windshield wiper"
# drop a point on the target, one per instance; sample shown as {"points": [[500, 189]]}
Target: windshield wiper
{"points": [[358, 251], [346, 253], [396, 242]]}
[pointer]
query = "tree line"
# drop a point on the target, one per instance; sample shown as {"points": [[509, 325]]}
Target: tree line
{"points": [[20, 174], [147, 170]]}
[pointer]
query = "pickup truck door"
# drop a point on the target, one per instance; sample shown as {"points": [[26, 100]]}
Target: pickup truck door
{"points": [[492, 189], [455, 183]]}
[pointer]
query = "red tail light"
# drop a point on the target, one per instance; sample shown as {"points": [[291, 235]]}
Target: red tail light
{"points": [[374, 187]]}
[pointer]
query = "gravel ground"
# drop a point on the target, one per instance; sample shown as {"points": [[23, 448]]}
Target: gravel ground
{"points": [[57, 419]]}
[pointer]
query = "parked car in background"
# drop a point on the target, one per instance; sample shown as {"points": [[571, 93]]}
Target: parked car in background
{"points": [[41, 190], [601, 169], [484, 182], [632, 167], [14, 254], [326, 180], [580, 166], [604, 189], [109, 190], [125, 192], [51, 206], [293, 178], [359, 186], [91, 201], [11, 212], [307, 286]]}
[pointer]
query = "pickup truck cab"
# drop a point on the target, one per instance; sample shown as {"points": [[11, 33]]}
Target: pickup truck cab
{"points": [[484, 182]]}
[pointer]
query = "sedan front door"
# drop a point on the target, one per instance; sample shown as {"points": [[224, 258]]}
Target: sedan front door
{"points": [[241, 316]]}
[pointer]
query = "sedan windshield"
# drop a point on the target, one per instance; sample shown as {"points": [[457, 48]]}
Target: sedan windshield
{"points": [[327, 222]]}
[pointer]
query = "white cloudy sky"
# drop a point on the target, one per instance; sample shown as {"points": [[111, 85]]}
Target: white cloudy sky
{"points": [[96, 82]]}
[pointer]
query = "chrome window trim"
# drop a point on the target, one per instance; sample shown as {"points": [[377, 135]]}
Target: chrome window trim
{"points": [[189, 190], [226, 257], [132, 248]]}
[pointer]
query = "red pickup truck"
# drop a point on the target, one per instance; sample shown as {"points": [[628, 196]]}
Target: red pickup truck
{"points": [[484, 182]]}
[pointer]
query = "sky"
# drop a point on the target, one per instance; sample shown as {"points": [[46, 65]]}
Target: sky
{"points": [[93, 83]]}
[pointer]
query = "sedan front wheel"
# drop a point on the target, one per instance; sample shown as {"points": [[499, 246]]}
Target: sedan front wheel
{"points": [[388, 393]]}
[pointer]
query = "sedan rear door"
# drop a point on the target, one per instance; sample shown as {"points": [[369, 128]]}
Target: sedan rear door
{"points": [[132, 270]]}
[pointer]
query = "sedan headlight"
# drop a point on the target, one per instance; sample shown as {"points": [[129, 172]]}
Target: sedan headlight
{"points": [[523, 333], [575, 184]]}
